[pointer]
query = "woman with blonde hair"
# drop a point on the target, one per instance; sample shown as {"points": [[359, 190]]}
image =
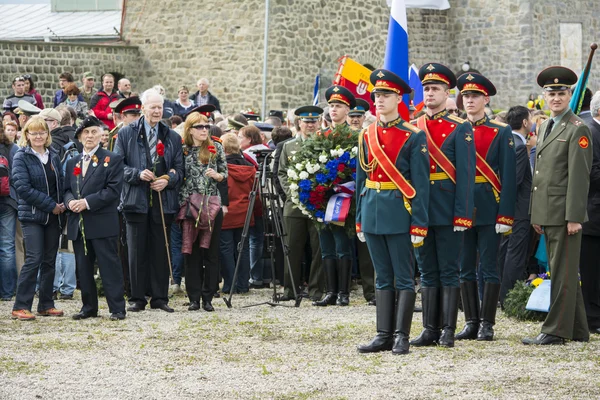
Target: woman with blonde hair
{"points": [[38, 180], [205, 166]]}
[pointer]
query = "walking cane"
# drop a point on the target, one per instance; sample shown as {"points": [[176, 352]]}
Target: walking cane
{"points": [[162, 217]]}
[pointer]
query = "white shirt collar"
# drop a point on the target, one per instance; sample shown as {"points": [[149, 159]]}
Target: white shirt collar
{"points": [[43, 157], [520, 136], [91, 153]]}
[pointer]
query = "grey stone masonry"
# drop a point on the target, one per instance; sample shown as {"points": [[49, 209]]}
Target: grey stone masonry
{"points": [[46, 61]]}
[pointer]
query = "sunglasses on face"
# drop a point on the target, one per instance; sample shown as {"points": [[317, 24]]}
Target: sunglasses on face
{"points": [[201, 127]]}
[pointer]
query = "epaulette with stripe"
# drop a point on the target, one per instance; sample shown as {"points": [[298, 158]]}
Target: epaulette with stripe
{"points": [[502, 124], [216, 139], [575, 120], [457, 119], [411, 127]]}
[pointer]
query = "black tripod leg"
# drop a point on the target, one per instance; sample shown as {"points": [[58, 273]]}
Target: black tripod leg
{"points": [[240, 246]]}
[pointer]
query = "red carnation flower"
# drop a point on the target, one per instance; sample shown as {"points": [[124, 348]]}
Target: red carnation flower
{"points": [[77, 171], [212, 149], [321, 189], [341, 167], [160, 149]]}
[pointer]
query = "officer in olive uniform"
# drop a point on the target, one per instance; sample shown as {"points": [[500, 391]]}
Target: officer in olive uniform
{"points": [[356, 118], [392, 184], [452, 177], [129, 110], [357, 115], [495, 199], [297, 225], [335, 244], [559, 205]]}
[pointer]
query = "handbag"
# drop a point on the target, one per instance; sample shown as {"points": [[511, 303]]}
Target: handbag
{"points": [[201, 208]]}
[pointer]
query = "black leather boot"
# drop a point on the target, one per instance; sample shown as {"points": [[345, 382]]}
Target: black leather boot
{"points": [[470, 300], [344, 271], [384, 339], [449, 306], [330, 267], [404, 314], [430, 297], [491, 292]]}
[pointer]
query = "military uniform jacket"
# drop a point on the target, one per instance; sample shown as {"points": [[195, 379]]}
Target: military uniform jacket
{"points": [[495, 145], [285, 160], [450, 203], [562, 173], [384, 212]]}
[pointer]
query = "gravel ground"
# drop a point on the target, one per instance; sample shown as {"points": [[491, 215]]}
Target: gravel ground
{"points": [[274, 353]]}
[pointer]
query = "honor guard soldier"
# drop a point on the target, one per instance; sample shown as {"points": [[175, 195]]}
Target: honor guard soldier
{"points": [[356, 116], [559, 205], [336, 249], [452, 176], [495, 198], [125, 111], [340, 101], [392, 186], [298, 226]]}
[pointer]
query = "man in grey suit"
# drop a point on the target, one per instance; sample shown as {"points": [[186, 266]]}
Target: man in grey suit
{"points": [[513, 248], [589, 266], [297, 225], [561, 180]]}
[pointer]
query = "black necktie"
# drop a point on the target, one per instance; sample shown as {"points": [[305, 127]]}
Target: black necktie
{"points": [[549, 128]]}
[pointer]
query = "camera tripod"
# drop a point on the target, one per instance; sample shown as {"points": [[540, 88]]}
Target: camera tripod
{"points": [[273, 222]]}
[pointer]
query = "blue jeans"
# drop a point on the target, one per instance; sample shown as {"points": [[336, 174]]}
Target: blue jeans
{"points": [[335, 243], [229, 256], [65, 280], [176, 254], [8, 264], [257, 239], [40, 255]]}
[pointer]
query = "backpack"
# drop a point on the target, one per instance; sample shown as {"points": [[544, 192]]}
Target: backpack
{"points": [[5, 172], [70, 152]]}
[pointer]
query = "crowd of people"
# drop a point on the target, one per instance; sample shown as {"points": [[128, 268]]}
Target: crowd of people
{"points": [[153, 195]]}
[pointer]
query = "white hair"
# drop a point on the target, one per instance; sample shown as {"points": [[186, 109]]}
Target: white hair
{"points": [[148, 94], [203, 80], [595, 105]]}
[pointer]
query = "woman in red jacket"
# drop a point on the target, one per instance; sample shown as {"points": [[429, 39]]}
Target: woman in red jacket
{"points": [[100, 102], [240, 181]]}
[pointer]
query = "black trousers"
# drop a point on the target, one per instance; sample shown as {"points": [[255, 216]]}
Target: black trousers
{"points": [[40, 256], [105, 250], [589, 269], [512, 256], [202, 266], [148, 263]]}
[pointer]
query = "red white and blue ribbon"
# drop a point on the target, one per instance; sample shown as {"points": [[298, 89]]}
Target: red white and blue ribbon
{"points": [[338, 205]]}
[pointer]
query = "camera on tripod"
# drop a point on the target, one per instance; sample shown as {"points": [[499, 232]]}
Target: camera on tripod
{"points": [[261, 155]]}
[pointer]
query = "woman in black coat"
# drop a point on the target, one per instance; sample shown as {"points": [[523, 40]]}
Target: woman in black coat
{"points": [[37, 177]]}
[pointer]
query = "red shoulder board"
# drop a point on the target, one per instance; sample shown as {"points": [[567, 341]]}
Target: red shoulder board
{"points": [[216, 139]]}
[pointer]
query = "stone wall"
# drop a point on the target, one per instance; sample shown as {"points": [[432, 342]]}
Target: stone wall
{"points": [[45, 61]]}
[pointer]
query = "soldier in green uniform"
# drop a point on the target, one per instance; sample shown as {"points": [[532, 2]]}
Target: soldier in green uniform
{"points": [[357, 115], [392, 187], [452, 176], [559, 205], [495, 199], [125, 111], [298, 226], [335, 244]]}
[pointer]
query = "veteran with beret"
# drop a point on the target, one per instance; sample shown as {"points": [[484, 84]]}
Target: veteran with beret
{"points": [[558, 205], [93, 183]]}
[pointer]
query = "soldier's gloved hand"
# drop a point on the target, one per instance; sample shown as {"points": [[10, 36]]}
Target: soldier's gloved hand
{"points": [[501, 228], [361, 237], [416, 239], [460, 228]]}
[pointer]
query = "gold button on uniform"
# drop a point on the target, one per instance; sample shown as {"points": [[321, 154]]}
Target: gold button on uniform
{"points": [[384, 131], [383, 146], [443, 135], [440, 121], [379, 176], [432, 182], [535, 188], [537, 172]]}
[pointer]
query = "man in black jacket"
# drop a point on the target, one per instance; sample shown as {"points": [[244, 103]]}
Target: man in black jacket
{"points": [[513, 248], [93, 183], [589, 265], [203, 96], [148, 174]]}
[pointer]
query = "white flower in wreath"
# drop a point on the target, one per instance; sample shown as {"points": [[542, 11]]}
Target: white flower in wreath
{"points": [[299, 167], [295, 200], [293, 187], [303, 175], [292, 174], [323, 158], [355, 150]]}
